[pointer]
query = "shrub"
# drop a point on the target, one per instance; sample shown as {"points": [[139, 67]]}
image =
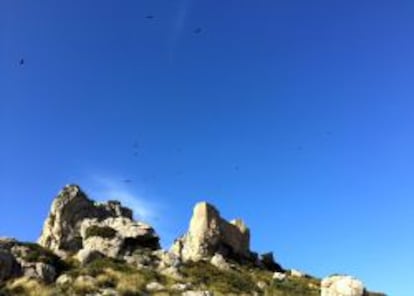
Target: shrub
{"points": [[205, 274], [27, 287], [294, 286], [104, 232]]}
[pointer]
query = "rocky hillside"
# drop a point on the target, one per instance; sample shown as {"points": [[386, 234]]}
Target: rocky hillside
{"points": [[89, 248]]}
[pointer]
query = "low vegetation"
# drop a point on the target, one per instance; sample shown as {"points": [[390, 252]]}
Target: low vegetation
{"points": [[104, 232], [39, 254], [118, 276]]}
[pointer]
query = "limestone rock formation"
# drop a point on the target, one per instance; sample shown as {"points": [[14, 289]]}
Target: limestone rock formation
{"points": [[72, 208], [120, 256], [268, 262], [27, 259], [115, 237], [218, 261], [209, 234], [341, 285]]}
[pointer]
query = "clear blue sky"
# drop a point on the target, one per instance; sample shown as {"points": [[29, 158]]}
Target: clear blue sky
{"points": [[297, 116]]}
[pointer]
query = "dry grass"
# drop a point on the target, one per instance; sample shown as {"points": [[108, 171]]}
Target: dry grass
{"points": [[84, 285], [29, 287]]}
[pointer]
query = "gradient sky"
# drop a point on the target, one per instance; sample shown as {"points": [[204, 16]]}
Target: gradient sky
{"points": [[297, 116]]}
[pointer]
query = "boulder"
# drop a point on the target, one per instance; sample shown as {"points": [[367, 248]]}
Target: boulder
{"points": [[64, 280], [71, 208], [154, 287], [180, 287], [218, 261], [86, 256], [341, 285], [197, 293], [209, 234], [106, 292], [279, 276]]}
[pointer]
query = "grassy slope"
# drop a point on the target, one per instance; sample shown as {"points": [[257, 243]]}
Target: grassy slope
{"points": [[128, 281]]}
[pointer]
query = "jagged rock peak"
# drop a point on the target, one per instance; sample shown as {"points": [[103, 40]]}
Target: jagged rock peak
{"points": [[71, 207], [209, 234]]}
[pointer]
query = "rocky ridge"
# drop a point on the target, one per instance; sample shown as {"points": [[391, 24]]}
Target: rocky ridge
{"points": [[89, 248]]}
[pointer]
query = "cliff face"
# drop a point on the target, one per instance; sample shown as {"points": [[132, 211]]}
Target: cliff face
{"points": [[88, 248]]}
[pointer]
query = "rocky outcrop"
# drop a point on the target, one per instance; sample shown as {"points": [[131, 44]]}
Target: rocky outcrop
{"points": [[212, 238], [73, 211], [118, 255], [119, 236], [267, 261], [8, 266], [220, 262], [340, 285], [210, 234], [29, 260]]}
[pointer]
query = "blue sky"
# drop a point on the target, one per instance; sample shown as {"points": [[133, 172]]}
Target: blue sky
{"points": [[294, 115]]}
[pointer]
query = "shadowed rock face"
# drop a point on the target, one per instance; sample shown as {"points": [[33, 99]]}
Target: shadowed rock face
{"points": [[62, 229], [26, 259], [209, 234]]}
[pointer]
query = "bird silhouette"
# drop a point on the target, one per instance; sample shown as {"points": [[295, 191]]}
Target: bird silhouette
{"points": [[21, 62], [149, 17], [198, 31], [127, 181]]}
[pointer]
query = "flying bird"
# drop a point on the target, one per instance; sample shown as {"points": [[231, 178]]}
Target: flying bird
{"points": [[127, 181], [149, 17], [21, 62], [198, 31]]}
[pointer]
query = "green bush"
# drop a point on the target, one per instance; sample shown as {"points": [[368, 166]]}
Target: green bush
{"points": [[205, 274], [293, 286], [105, 232]]}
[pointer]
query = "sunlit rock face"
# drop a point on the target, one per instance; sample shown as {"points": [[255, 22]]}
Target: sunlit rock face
{"points": [[115, 237], [72, 208], [341, 285], [209, 234]]}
